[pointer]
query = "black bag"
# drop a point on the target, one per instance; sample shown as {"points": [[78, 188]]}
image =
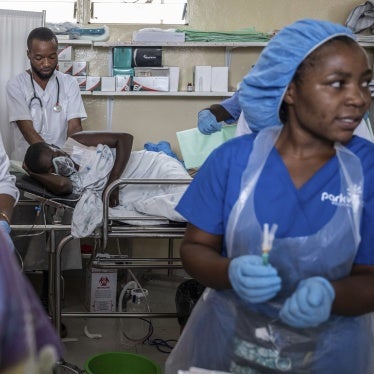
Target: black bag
{"points": [[147, 57], [186, 297]]}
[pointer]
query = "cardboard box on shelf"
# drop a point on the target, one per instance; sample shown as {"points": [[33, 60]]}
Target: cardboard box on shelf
{"points": [[65, 53], [82, 80], [93, 83], [80, 68], [173, 78], [220, 79], [101, 290], [123, 82], [66, 67], [151, 72], [203, 78], [151, 84], [108, 84]]}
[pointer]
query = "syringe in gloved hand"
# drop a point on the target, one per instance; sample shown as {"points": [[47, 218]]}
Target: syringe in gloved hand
{"points": [[267, 241]]}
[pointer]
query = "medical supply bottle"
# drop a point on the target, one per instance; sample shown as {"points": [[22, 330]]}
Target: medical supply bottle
{"points": [[135, 330]]}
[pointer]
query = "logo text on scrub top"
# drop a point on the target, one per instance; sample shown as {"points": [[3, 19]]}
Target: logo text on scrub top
{"points": [[340, 200], [344, 200]]}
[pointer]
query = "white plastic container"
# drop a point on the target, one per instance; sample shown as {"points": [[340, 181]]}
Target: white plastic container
{"points": [[135, 330]]}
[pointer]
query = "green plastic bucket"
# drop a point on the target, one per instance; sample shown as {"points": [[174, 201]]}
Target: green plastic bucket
{"points": [[120, 363]]}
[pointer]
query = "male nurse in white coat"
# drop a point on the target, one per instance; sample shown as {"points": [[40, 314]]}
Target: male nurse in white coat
{"points": [[43, 103]]}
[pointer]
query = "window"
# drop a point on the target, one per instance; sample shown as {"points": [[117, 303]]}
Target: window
{"points": [[57, 11], [139, 11], [105, 11]]}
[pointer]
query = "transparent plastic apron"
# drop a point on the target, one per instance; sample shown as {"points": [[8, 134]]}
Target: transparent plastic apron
{"points": [[224, 333], [261, 340]]}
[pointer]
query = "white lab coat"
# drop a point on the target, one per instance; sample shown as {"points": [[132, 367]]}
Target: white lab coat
{"points": [[51, 125], [7, 181]]}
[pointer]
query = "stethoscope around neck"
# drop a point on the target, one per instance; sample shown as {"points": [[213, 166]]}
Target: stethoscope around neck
{"points": [[57, 107]]}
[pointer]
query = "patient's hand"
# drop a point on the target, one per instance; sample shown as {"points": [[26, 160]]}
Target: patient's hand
{"points": [[114, 198], [24, 167]]}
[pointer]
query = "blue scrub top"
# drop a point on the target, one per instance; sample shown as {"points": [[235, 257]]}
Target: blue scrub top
{"points": [[209, 199]]}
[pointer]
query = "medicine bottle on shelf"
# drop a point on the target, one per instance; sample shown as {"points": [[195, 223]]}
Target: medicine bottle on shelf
{"points": [[189, 87]]}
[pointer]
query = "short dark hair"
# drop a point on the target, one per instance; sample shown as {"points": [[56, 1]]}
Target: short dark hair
{"points": [[41, 33], [34, 155]]}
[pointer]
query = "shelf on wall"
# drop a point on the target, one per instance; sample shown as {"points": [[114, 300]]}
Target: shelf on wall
{"points": [[74, 41], [159, 93], [367, 44], [179, 44]]}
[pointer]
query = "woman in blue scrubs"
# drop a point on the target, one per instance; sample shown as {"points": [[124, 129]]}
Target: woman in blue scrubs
{"points": [[304, 306]]}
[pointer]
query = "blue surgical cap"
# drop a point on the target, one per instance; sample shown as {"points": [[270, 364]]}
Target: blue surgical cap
{"points": [[262, 89]]}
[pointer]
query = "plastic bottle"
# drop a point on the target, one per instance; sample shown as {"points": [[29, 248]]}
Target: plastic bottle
{"points": [[189, 87], [135, 330]]}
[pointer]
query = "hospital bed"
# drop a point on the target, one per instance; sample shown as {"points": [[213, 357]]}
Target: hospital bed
{"points": [[34, 194], [112, 227]]}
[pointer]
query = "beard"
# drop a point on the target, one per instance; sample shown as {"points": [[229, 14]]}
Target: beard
{"points": [[40, 74]]}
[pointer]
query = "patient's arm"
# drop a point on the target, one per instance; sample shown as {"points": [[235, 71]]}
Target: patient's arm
{"points": [[54, 183], [122, 142]]}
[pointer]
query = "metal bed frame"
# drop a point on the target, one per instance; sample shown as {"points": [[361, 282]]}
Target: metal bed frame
{"points": [[110, 228]]}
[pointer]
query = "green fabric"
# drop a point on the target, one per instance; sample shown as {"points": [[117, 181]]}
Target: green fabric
{"points": [[243, 35], [196, 147]]}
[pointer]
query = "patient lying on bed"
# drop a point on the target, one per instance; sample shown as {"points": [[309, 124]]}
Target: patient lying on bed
{"points": [[90, 161]]}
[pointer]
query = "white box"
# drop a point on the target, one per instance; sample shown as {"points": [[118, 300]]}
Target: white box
{"points": [[158, 36], [65, 53], [108, 84], [80, 68], [66, 67], [81, 82], [151, 71], [123, 82], [150, 83], [203, 78], [220, 79], [173, 78], [93, 83], [101, 290]]}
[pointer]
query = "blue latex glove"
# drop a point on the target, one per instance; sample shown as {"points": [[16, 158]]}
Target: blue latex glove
{"points": [[4, 236], [310, 304], [207, 122], [252, 280]]}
